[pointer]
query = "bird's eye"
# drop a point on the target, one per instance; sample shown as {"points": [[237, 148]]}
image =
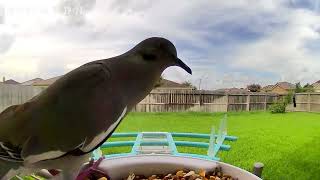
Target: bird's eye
{"points": [[149, 57]]}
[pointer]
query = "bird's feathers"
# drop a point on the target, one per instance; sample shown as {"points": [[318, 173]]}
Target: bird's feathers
{"points": [[89, 145], [10, 153], [34, 151], [42, 125], [59, 110], [80, 111]]}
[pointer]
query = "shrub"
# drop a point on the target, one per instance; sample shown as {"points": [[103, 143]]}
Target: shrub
{"points": [[288, 98], [278, 107]]}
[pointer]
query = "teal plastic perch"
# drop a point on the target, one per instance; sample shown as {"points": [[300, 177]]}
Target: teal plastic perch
{"points": [[164, 143]]}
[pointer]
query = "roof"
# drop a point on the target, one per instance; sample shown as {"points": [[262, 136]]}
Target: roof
{"points": [[232, 90], [46, 82], [268, 88], [30, 82], [10, 81], [316, 85], [285, 85], [317, 82], [165, 83]]}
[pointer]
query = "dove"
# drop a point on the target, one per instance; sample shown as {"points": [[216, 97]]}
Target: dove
{"points": [[60, 127]]}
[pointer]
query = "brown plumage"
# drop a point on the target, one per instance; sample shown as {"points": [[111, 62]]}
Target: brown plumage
{"points": [[79, 112]]}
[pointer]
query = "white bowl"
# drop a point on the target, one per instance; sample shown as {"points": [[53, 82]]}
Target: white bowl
{"points": [[121, 167]]}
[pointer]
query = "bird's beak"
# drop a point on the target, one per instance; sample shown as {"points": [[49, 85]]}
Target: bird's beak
{"points": [[183, 65]]}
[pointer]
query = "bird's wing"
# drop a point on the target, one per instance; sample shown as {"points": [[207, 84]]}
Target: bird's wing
{"points": [[10, 153], [60, 118]]}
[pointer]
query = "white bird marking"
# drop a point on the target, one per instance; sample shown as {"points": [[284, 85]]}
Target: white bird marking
{"points": [[103, 135], [4, 147], [54, 154], [10, 159]]}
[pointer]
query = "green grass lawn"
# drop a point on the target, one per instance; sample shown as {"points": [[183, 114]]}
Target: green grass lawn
{"points": [[288, 144]]}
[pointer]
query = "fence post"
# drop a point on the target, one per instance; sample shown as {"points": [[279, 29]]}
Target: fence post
{"points": [[227, 103], [265, 102], [149, 102], [309, 102], [248, 103], [199, 100]]}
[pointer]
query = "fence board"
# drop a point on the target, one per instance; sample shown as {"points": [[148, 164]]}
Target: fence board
{"points": [[16, 94], [185, 100], [309, 102], [205, 101]]}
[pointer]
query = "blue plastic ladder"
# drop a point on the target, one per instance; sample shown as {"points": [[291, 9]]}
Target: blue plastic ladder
{"points": [[164, 143]]}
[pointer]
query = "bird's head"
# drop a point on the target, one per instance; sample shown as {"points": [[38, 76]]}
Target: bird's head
{"points": [[159, 53]]}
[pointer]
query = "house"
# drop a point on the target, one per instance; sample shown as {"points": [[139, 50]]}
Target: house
{"points": [[46, 83], [232, 91], [166, 84], [316, 86], [11, 81], [267, 88], [279, 88], [30, 82]]}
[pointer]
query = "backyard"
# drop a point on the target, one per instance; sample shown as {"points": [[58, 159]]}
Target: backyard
{"points": [[288, 144]]}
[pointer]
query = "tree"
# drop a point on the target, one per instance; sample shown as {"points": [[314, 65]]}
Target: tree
{"points": [[308, 88], [189, 84], [305, 88], [159, 82], [299, 88], [254, 88]]}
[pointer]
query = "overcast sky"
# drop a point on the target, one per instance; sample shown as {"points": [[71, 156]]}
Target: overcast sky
{"points": [[229, 43]]}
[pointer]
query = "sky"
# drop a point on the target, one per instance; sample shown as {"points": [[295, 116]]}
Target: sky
{"points": [[230, 43]]}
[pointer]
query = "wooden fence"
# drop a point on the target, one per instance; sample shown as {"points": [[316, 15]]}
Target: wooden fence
{"points": [[185, 100], [173, 101], [16, 94], [308, 102]]}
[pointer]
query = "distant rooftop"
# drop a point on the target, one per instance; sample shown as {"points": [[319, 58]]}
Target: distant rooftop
{"points": [[165, 83], [46, 82], [268, 87], [232, 90], [31, 82], [285, 85], [10, 81]]}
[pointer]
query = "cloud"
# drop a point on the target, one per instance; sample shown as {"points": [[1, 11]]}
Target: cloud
{"points": [[312, 5], [130, 6], [227, 43], [24, 69], [74, 11], [1, 14], [6, 42], [284, 52]]}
